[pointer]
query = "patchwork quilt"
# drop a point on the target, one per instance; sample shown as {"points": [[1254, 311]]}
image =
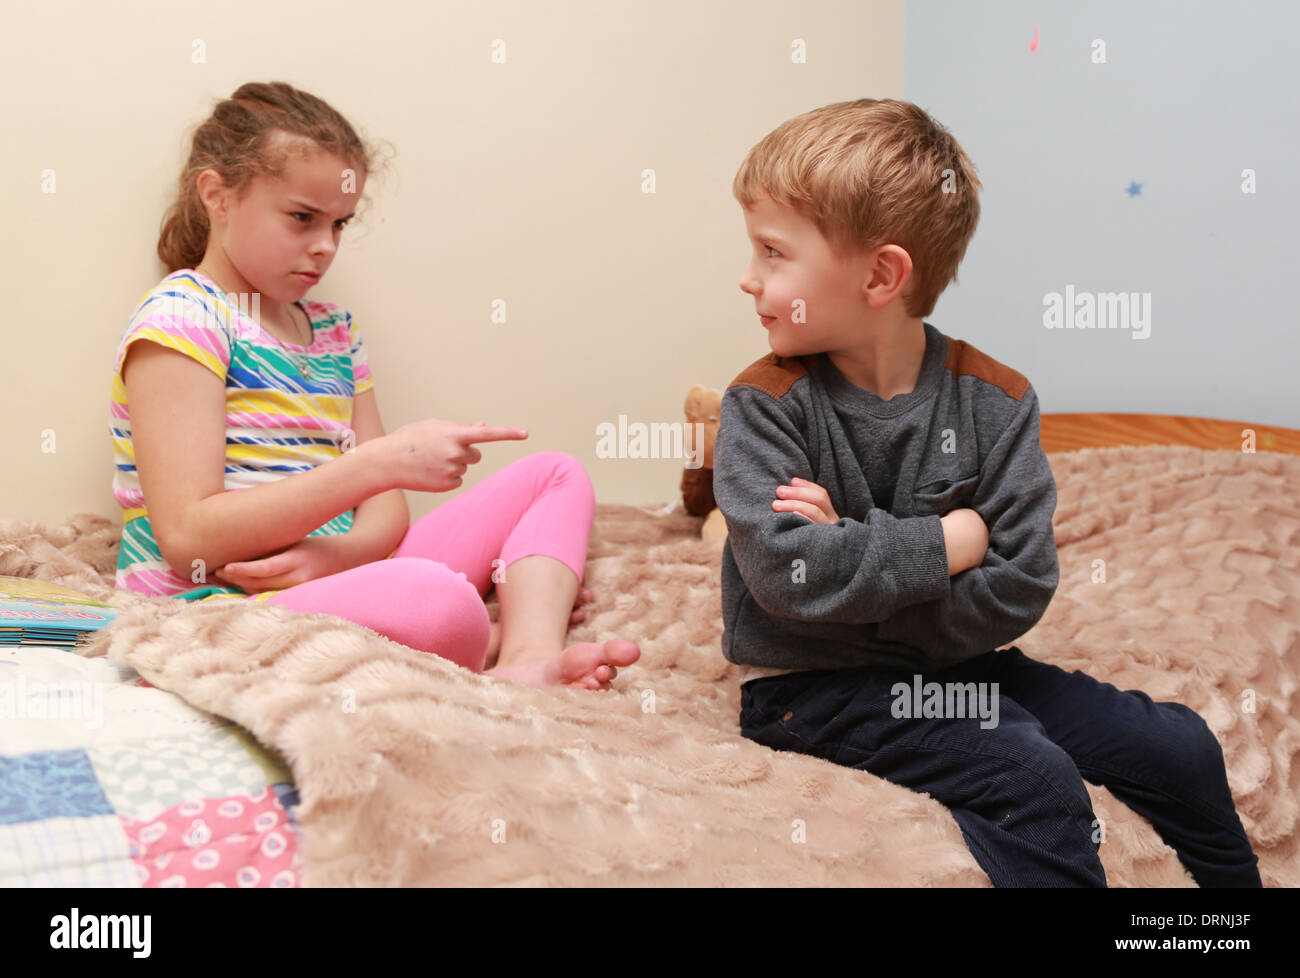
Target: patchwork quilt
{"points": [[106, 781]]}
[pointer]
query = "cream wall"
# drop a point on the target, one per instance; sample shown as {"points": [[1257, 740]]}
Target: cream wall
{"points": [[519, 181]]}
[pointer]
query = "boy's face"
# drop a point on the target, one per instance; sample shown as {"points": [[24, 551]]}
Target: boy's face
{"points": [[813, 297], [272, 233]]}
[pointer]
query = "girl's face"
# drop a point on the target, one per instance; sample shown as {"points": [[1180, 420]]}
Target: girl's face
{"points": [[283, 226]]}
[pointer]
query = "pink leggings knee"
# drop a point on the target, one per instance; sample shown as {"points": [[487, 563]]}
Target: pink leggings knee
{"points": [[425, 605], [428, 593]]}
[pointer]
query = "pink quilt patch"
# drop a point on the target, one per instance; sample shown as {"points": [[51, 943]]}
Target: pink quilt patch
{"points": [[243, 840]]}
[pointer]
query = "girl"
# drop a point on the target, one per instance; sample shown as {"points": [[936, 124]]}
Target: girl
{"points": [[243, 385]]}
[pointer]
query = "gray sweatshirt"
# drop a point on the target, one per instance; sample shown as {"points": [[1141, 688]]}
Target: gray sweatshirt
{"points": [[873, 588]]}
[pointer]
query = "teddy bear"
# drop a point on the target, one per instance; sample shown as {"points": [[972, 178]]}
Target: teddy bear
{"points": [[703, 407]]}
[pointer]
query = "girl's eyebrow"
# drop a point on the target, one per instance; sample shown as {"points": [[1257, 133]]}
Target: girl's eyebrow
{"points": [[316, 210], [774, 237]]}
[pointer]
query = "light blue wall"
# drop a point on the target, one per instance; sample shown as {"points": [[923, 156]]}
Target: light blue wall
{"points": [[1191, 95]]}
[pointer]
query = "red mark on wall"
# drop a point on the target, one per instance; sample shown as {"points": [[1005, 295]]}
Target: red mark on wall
{"points": [[1033, 45]]}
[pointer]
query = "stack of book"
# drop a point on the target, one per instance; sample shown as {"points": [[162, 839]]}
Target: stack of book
{"points": [[34, 614]]}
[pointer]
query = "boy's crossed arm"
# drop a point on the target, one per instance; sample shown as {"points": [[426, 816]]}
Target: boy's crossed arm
{"points": [[994, 604], [887, 570], [851, 571]]}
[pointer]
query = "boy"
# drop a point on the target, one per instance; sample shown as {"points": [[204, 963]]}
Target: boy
{"points": [[889, 514]]}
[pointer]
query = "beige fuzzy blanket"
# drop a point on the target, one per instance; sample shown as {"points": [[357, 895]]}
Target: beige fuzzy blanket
{"points": [[412, 771]]}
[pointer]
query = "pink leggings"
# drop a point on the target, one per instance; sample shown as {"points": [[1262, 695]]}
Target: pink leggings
{"points": [[428, 594]]}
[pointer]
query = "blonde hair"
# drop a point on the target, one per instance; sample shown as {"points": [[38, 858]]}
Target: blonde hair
{"points": [[245, 137], [868, 173]]}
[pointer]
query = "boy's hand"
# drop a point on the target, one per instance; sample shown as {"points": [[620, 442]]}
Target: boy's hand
{"points": [[966, 538], [807, 499]]}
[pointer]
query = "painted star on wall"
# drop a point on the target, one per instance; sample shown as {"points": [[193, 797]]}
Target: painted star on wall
{"points": [[1134, 188]]}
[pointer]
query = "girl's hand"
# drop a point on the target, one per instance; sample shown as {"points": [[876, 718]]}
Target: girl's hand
{"points": [[306, 560], [807, 499], [432, 455]]}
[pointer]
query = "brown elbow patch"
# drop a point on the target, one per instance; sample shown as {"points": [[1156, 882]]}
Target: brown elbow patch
{"points": [[771, 374], [965, 359], [775, 375]]}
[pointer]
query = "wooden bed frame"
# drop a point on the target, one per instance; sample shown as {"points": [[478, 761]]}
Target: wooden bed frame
{"points": [[1067, 432]]}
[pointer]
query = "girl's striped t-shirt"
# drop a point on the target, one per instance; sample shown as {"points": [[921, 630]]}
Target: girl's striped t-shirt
{"points": [[288, 408]]}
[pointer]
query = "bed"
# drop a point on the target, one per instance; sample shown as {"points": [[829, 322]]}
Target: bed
{"points": [[245, 745]]}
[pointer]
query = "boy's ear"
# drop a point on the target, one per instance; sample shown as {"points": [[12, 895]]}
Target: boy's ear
{"points": [[890, 266]]}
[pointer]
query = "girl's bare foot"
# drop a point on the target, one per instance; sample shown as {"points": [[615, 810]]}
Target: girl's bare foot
{"points": [[587, 665], [578, 613], [494, 635]]}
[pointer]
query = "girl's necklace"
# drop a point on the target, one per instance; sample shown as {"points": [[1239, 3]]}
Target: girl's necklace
{"points": [[303, 360]]}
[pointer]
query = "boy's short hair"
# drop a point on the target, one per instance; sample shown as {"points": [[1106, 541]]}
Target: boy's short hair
{"points": [[873, 172]]}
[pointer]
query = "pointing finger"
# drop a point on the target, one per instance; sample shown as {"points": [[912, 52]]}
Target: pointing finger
{"points": [[477, 433]]}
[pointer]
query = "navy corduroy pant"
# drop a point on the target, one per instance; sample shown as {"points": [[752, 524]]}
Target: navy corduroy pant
{"points": [[1016, 789]]}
